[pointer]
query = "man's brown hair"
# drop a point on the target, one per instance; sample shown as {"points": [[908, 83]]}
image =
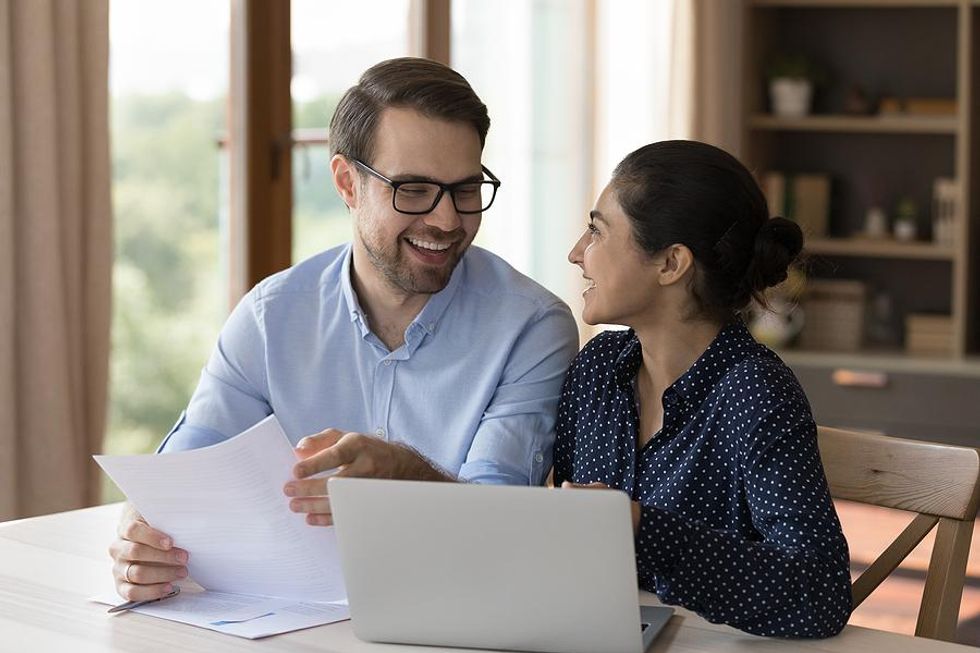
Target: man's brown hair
{"points": [[429, 87]]}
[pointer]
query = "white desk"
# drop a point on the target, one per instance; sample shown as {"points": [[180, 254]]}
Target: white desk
{"points": [[50, 565]]}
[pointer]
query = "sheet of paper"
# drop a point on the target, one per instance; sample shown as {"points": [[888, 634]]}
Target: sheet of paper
{"points": [[224, 504], [235, 614]]}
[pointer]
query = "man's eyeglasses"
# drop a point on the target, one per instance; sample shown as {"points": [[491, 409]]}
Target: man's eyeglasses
{"points": [[419, 197]]}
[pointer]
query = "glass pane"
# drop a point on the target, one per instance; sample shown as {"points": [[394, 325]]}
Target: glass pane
{"points": [[169, 80], [525, 60], [333, 43]]}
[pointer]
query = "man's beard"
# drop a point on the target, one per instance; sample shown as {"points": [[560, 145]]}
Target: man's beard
{"points": [[414, 277]]}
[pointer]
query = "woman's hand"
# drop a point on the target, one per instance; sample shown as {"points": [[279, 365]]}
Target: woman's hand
{"points": [[634, 505]]}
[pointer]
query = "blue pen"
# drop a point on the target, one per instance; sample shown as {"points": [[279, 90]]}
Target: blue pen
{"points": [[129, 605]]}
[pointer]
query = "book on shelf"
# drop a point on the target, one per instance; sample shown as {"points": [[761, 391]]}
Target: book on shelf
{"points": [[929, 334], [802, 198]]}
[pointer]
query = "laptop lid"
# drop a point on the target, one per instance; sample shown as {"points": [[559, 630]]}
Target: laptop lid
{"points": [[518, 568]]}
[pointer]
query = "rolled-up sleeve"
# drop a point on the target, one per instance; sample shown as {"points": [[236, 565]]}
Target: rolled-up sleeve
{"points": [[232, 393], [514, 442]]}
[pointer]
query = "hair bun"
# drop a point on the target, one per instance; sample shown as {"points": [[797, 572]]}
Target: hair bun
{"points": [[777, 244]]}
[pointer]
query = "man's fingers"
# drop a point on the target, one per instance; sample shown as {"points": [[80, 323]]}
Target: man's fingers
{"points": [[319, 520], [343, 452], [147, 574], [312, 444], [132, 592], [310, 487], [137, 530], [136, 552], [312, 505]]}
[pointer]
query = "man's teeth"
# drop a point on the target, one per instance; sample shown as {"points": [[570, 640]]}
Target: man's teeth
{"points": [[591, 284], [424, 244]]}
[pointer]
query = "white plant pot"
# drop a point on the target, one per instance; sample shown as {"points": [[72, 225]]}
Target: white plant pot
{"points": [[790, 96]]}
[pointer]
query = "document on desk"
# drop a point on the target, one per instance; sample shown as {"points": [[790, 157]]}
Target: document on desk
{"points": [[224, 504], [251, 617]]}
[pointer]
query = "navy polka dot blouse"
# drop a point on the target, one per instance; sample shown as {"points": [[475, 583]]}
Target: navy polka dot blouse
{"points": [[736, 520]]}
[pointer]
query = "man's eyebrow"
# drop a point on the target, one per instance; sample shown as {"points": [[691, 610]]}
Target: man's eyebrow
{"points": [[595, 215], [411, 177]]}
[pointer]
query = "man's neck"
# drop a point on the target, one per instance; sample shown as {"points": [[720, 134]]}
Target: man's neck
{"points": [[389, 310]]}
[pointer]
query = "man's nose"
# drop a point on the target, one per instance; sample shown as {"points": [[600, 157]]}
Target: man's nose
{"points": [[444, 216]]}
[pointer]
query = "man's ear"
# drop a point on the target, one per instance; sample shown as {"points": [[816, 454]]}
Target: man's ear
{"points": [[678, 262], [345, 180]]}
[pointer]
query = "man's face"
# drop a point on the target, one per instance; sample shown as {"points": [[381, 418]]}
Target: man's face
{"points": [[416, 254]]}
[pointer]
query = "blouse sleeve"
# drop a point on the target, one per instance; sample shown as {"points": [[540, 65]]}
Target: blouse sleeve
{"points": [[564, 454], [793, 581]]}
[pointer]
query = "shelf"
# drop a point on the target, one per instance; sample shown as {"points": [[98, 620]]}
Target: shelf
{"points": [[858, 124], [860, 4], [884, 361], [867, 248]]}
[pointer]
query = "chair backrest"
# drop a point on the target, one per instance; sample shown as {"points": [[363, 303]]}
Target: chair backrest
{"points": [[939, 482]]}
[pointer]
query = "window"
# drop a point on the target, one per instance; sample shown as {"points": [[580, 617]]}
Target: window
{"points": [[332, 43], [168, 91], [529, 62]]}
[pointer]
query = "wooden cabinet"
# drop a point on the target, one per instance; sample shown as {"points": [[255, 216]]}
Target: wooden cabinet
{"points": [[895, 49]]}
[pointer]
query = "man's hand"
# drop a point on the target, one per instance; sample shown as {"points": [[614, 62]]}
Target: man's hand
{"points": [[146, 561], [352, 454], [634, 505]]}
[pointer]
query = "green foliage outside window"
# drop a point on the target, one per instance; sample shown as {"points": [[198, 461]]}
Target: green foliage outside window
{"points": [[169, 284]]}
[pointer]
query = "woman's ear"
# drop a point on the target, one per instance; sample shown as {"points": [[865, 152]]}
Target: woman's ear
{"points": [[345, 180], [678, 261]]}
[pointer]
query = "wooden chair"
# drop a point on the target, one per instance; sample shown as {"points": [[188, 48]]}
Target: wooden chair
{"points": [[939, 482]]}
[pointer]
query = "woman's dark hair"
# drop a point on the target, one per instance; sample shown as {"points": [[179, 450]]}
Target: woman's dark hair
{"points": [[694, 194], [433, 89]]}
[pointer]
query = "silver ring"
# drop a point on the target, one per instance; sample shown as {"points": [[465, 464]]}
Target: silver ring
{"points": [[126, 575]]}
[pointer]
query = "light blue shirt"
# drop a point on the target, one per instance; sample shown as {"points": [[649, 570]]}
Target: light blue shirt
{"points": [[474, 388]]}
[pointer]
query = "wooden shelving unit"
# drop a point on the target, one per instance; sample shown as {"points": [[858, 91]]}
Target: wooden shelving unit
{"points": [[901, 49], [859, 124], [867, 248]]}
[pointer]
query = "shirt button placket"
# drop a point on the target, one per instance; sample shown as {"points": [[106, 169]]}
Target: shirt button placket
{"points": [[382, 396]]}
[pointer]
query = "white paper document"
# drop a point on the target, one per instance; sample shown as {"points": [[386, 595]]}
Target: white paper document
{"points": [[224, 504], [237, 614]]}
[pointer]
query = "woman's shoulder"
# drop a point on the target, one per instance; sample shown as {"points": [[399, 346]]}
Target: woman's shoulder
{"points": [[604, 349], [762, 379]]}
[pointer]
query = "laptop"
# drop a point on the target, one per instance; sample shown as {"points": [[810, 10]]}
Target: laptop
{"points": [[477, 566]]}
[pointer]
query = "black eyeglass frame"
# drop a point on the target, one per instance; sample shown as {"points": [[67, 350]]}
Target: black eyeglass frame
{"points": [[443, 188]]}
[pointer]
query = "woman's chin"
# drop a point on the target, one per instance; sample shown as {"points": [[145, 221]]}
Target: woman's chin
{"points": [[591, 317]]}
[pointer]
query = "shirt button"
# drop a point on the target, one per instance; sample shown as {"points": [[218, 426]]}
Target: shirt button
{"points": [[538, 458], [387, 363], [380, 432]]}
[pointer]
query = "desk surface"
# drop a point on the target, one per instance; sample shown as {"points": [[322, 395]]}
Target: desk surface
{"points": [[50, 565]]}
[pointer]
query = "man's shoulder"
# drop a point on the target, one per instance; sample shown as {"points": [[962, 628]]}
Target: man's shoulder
{"points": [[311, 276], [491, 277]]}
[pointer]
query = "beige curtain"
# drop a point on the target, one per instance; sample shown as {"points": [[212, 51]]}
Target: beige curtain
{"points": [[706, 72], [55, 252]]}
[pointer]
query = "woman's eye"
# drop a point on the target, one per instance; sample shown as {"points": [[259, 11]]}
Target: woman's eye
{"points": [[593, 229]]}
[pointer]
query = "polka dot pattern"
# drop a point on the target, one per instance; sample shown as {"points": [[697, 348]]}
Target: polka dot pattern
{"points": [[736, 518]]}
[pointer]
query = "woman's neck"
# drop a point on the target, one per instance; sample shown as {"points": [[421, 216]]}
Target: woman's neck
{"points": [[670, 348]]}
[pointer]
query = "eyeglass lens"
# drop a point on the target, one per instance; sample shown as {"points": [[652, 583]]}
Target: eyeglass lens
{"points": [[423, 196]]}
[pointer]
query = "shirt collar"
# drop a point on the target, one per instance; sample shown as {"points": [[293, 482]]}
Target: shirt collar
{"points": [[428, 318], [347, 287], [732, 344]]}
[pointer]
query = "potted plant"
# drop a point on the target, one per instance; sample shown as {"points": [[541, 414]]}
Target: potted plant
{"points": [[791, 81]]}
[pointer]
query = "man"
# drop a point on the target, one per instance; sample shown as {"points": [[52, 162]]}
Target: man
{"points": [[407, 353]]}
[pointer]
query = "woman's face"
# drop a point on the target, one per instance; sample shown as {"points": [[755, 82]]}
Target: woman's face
{"points": [[622, 279]]}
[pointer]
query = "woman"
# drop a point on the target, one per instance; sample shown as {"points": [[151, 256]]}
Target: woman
{"points": [[708, 431]]}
